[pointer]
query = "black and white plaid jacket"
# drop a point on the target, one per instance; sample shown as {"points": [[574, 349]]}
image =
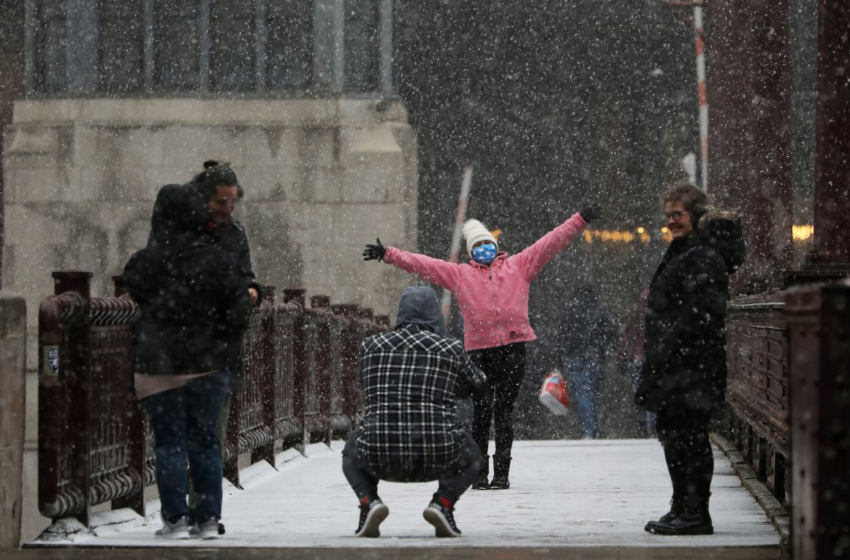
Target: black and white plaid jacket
{"points": [[412, 378]]}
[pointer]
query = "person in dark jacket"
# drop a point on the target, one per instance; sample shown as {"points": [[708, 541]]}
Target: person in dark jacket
{"points": [[194, 308], [585, 335], [684, 374], [412, 378], [219, 186]]}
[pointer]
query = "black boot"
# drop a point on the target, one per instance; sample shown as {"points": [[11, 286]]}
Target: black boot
{"points": [[692, 520], [481, 483], [501, 470], [676, 509]]}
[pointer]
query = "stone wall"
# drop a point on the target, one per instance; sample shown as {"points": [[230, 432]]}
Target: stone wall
{"points": [[321, 178], [12, 398]]}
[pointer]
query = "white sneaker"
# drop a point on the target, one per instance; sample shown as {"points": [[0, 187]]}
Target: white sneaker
{"points": [[208, 530], [178, 530]]}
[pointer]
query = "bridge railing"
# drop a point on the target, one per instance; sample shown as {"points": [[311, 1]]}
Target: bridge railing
{"points": [[788, 386], [95, 445], [757, 386]]}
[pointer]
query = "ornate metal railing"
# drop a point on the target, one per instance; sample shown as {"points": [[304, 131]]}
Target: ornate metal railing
{"points": [[789, 394], [94, 442], [757, 387]]}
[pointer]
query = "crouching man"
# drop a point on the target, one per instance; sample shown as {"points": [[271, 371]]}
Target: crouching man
{"points": [[412, 378]]}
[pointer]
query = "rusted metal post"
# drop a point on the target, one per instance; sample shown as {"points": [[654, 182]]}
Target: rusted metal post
{"points": [[323, 375], [268, 364], [832, 172], [77, 380], [300, 378], [137, 426], [349, 353], [819, 328]]}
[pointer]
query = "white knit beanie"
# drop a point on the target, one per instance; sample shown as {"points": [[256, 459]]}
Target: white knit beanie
{"points": [[474, 231]]}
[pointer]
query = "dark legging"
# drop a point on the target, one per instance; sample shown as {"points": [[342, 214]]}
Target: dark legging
{"points": [[504, 367], [690, 460]]}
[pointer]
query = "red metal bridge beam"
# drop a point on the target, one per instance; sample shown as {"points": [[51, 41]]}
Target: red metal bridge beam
{"points": [[832, 163], [750, 138]]}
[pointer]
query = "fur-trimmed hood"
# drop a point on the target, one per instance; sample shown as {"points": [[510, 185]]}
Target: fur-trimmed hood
{"points": [[721, 230]]}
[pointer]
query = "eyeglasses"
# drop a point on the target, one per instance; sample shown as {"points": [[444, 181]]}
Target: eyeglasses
{"points": [[675, 216]]}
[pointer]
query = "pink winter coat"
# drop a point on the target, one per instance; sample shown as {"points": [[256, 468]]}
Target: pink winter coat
{"points": [[494, 299]]}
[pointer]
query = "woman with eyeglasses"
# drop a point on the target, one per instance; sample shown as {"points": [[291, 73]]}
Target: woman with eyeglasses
{"points": [[492, 293], [683, 380]]}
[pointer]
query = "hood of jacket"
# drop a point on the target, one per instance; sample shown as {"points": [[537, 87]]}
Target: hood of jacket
{"points": [[178, 217], [722, 232], [419, 306]]}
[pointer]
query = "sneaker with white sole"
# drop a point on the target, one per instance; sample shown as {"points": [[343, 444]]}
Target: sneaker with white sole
{"points": [[178, 530], [208, 530], [372, 514], [440, 514]]}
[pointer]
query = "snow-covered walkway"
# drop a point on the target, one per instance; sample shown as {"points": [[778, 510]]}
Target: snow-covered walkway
{"points": [[564, 493]]}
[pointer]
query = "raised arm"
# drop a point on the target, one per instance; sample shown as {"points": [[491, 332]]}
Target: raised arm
{"points": [[440, 272], [534, 258]]}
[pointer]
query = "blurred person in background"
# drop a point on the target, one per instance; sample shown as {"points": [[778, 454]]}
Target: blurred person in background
{"points": [[492, 293], [683, 380], [630, 356], [585, 336]]}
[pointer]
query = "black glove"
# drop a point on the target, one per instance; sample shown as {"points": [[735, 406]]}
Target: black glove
{"points": [[373, 252], [591, 213]]}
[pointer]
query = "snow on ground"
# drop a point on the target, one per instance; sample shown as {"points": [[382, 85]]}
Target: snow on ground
{"points": [[563, 493]]}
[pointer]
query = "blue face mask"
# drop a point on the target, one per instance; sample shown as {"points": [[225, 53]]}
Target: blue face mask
{"points": [[484, 254]]}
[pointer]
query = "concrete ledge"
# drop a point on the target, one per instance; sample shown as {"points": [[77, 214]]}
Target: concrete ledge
{"points": [[222, 112], [749, 480]]}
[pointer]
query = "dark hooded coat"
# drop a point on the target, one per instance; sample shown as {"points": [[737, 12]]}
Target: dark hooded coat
{"points": [[412, 378], [685, 347], [194, 302]]}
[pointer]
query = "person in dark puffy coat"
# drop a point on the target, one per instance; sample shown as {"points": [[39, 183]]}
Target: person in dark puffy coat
{"points": [[195, 309], [684, 374]]}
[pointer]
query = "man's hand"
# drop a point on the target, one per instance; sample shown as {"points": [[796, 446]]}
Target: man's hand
{"points": [[255, 295], [591, 213], [373, 252]]}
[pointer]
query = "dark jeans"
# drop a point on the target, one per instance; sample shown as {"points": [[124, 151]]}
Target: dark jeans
{"points": [[504, 367], [690, 460], [454, 481], [584, 379], [221, 440], [184, 422]]}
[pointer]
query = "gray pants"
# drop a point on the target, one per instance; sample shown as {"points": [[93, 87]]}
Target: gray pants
{"points": [[454, 481]]}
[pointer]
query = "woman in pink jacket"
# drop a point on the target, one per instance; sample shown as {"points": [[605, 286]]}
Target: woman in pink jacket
{"points": [[492, 292]]}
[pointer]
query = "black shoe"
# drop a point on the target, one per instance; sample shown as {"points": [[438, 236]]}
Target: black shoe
{"points": [[220, 528], [676, 509], [440, 514], [689, 522], [372, 514], [501, 470], [481, 482]]}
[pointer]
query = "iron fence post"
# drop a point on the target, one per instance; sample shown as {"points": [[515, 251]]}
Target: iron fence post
{"points": [[78, 379]]}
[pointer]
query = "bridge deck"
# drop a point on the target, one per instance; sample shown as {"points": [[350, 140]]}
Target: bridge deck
{"points": [[589, 493]]}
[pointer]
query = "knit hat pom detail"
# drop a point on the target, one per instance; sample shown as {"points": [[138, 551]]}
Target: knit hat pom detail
{"points": [[474, 231]]}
